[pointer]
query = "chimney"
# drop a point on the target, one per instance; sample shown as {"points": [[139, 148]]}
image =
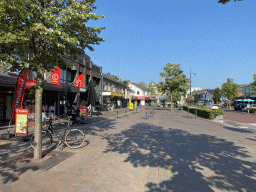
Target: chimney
{"points": [[108, 74]]}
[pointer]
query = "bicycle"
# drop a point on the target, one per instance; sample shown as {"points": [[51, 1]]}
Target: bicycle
{"points": [[73, 138]]}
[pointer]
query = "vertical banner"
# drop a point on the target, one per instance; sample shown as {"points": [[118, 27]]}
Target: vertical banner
{"points": [[20, 89], [55, 76]]}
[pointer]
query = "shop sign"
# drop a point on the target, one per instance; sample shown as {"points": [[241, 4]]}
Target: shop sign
{"points": [[83, 112], [21, 121], [140, 97]]}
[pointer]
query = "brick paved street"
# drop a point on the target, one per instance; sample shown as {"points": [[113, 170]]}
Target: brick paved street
{"points": [[163, 151]]}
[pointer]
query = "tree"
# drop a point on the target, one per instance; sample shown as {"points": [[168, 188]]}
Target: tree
{"points": [[196, 98], [126, 81], [151, 90], [225, 1], [216, 95], [175, 97], [190, 99], [117, 78], [175, 81], [229, 89], [47, 29], [253, 86]]}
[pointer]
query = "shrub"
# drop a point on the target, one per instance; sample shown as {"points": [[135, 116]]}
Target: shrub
{"points": [[253, 110], [204, 112]]}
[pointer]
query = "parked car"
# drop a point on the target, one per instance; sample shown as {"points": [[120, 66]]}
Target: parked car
{"points": [[214, 106], [200, 103], [240, 106], [253, 106]]}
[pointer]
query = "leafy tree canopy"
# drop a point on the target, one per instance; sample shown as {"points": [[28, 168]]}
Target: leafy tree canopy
{"points": [[117, 78], [253, 86], [125, 81], [216, 95], [225, 1], [47, 30], [196, 98], [229, 89], [175, 81]]}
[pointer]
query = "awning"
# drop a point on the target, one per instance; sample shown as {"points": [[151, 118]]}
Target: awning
{"points": [[112, 94]]}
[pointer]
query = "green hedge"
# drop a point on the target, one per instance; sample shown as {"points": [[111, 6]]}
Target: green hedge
{"points": [[253, 110], [204, 112]]}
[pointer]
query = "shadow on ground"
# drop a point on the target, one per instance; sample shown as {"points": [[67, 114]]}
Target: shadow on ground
{"points": [[186, 156]]}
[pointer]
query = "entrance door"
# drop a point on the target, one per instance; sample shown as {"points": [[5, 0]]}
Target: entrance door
{"points": [[8, 104]]}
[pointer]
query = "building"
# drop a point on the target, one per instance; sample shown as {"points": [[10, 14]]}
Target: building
{"points": [[205, 95], [192, 90], [55, 96], [139, 93], [114, 91]]}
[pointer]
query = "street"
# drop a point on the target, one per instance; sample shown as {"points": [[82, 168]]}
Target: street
{"points": [[151, 150]]}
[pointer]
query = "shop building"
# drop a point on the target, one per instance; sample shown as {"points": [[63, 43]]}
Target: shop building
{"points": [[55, 96], [115, 92]]}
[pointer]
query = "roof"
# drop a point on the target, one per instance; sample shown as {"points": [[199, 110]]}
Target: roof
{"points": [[112, 79], [199, 92], [143, 88], [143, 84]]}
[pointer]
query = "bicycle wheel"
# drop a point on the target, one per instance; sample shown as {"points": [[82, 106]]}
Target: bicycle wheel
{"points": [[74, 138], [46, 140]]}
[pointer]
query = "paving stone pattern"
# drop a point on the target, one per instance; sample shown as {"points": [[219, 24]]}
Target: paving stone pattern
{"points": [[160, 151]]}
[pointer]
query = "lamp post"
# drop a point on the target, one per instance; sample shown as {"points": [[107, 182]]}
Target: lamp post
{"points": [[190, 79], [190, 82]]}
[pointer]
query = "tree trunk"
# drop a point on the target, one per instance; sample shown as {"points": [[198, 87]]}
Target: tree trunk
{"points": [[38, 119]]}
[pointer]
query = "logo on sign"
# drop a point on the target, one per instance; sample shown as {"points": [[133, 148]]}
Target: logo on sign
{"points": [[55, 77], [78, 82]]}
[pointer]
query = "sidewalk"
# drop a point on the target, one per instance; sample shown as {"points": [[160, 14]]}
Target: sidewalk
{"points": [[16, 146], [163, 151]]}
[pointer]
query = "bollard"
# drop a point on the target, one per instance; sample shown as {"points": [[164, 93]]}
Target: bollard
{"points": [[136, 110], [196, 112], [146, 114], [125, 112], [117, 113]]}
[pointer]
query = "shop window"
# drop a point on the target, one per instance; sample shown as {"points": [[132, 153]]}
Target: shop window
{"points": [[138, 92], [63, 76], [104, 86], [109, 88]]}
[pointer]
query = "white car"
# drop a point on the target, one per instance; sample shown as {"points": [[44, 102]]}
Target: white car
{"points": [[214, 106]]}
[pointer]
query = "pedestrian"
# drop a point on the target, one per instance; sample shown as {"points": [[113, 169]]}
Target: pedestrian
{"points": [[248, 107]]}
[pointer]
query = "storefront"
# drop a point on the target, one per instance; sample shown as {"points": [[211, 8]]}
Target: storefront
{"points": [[141, 100], [113, 98]]}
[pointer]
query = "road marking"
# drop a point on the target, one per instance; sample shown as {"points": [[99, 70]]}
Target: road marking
{"points": [[254, 124], [242, 127]]}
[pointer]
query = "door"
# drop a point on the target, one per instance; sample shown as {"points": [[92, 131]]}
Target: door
{"points": [[8, 104]]}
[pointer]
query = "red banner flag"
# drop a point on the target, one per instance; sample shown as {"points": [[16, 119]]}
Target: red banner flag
{"points": [[20, 89], [55, 76], [79, 81]]}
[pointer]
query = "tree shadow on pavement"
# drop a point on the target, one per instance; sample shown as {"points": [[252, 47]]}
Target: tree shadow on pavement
{"points": [[196, 162]]}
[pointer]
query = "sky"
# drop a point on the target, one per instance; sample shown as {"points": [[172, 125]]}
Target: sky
{"points": [[215, 41]]}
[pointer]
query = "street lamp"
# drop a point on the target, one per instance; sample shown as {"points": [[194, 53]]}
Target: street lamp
{"points": [[190, 79]]}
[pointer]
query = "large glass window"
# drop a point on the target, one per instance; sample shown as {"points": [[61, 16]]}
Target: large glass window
{"points": [[63, 76], [104, 86]]}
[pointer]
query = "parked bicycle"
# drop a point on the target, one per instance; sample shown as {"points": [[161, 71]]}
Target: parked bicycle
{"points": [[73, 138]]}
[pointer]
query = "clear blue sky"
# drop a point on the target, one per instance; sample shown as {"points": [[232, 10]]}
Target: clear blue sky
{"points": [[216, 41]]}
